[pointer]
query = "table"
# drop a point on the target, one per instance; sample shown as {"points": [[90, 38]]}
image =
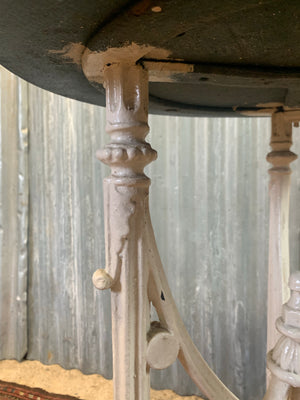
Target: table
{"points": [[207, 59]]}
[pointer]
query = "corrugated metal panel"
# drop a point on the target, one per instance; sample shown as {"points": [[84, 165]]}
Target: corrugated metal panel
{"points": [[69, 323], [209, 206], [13, 216]]}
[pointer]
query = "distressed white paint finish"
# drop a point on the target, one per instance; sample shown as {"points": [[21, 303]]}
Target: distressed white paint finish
{"points": [[283, 361], [279, 190], [278, 390], [161, 297], [133, 268], [13, 216], [126, 203], [163, 347]]}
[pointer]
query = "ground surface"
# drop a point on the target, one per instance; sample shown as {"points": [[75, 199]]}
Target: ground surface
{"points": [[55, 379]]}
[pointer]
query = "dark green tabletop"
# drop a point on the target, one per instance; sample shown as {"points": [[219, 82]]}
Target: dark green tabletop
{"points": [[245, 54]]}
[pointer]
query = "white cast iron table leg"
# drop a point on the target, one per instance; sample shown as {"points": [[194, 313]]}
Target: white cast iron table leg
{"points": [[133, 268]]}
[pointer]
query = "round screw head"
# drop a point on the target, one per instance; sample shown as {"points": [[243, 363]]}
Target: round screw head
{"points": [[102, 280], [163, 347]]}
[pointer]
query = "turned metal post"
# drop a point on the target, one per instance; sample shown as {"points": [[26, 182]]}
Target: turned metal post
{"points": [[126, 198], [279, 191]]}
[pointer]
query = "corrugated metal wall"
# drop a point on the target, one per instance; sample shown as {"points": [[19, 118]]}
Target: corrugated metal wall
{"points": [[209, 205], [13, 216]]}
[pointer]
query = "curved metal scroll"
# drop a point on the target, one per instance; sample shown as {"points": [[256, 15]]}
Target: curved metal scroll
{"points": [[189, 356]]}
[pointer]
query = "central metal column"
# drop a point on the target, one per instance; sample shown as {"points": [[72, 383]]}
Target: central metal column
{"points": [[126, 202]]}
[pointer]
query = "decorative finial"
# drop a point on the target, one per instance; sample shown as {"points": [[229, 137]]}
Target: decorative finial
{"points": [[284, 359]]}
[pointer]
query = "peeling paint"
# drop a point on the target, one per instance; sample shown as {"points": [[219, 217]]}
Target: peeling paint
{"points": [[160, 71], [270, 105], [93, 62], [156, 9], [266, 109], [290, 113], [263, 112], [71, 52]]}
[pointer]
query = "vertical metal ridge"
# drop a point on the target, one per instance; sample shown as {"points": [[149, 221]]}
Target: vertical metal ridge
{"points": [[68, 215], [13, 217]]}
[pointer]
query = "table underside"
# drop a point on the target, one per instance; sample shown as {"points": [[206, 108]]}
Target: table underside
{"points": [[241, 55]]}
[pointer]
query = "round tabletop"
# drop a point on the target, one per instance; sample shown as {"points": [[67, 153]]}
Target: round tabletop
{"points": [[212, 58]]}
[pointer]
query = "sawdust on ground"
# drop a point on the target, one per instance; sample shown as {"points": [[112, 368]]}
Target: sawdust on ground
{"points": [[55, 379]]}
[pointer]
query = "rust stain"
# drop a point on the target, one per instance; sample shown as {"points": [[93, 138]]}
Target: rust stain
{"points": [[156, 9], [141, 8]]}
